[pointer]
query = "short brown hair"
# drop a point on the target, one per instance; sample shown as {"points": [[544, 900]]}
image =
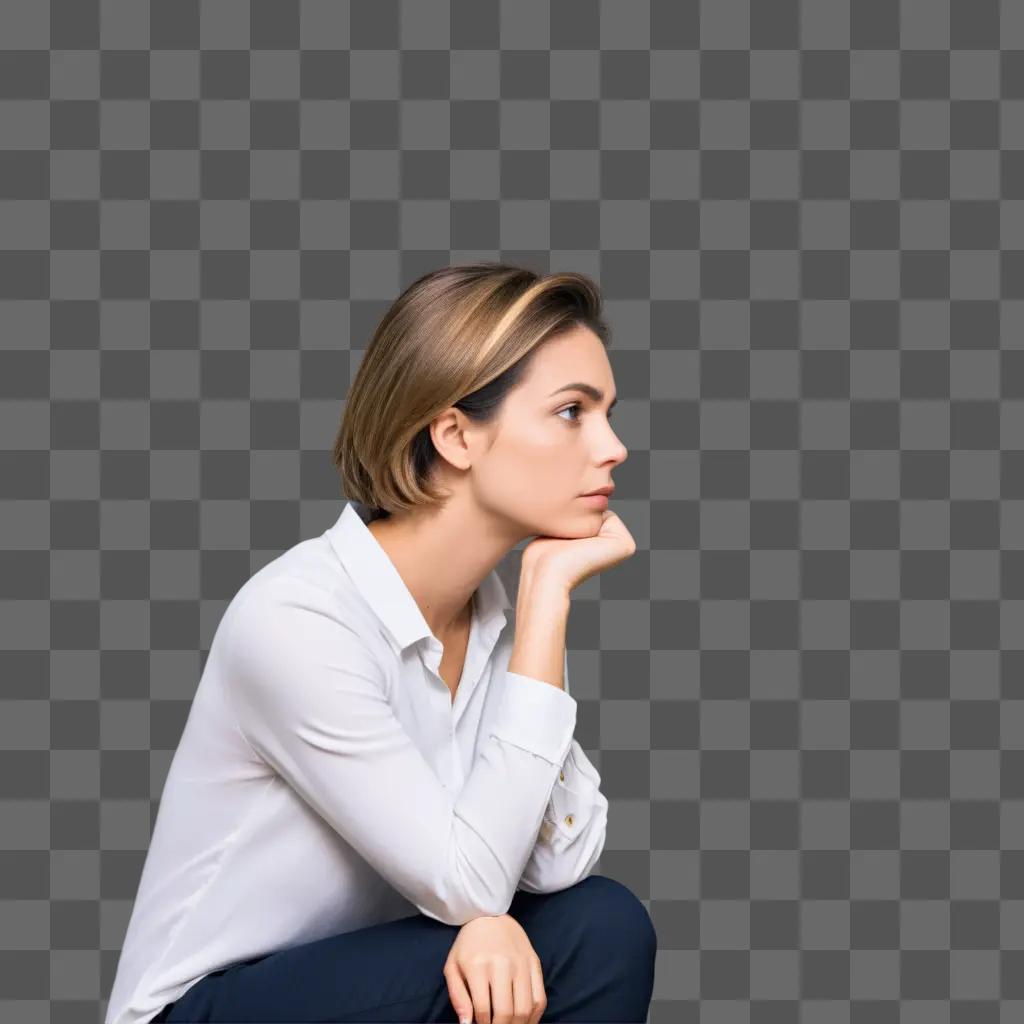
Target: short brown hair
{"points": [[458, 336]]}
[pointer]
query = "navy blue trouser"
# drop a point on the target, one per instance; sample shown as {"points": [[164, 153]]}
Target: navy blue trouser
{"points": [[595, 940]]}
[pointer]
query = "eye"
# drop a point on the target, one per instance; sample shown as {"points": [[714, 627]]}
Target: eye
{"points": [[577, 406]]}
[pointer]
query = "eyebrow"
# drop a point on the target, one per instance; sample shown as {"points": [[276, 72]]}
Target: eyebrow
{"points": [[589, 390]]}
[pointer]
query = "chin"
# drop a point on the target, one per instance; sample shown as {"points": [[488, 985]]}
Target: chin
{"points": [[587, 524], [579, 523]]}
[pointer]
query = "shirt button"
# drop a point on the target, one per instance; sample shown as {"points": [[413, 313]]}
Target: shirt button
{"points": [[568, 819], [561, 776]]}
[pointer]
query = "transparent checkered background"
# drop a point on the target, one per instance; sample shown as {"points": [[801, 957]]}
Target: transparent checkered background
{"points": [[805, 692]]}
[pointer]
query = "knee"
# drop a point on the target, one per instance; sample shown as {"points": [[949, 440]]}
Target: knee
{"points": [[618, 918]]}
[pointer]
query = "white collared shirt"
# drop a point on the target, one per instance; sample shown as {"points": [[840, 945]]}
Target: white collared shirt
{"points": [[325, 781]]}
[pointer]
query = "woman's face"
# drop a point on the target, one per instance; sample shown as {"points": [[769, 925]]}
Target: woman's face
{"points": [[552, 443]]}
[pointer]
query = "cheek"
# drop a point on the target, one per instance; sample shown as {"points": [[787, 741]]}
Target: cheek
{"points": [[534, 479], [538, 456], [543, 448]]}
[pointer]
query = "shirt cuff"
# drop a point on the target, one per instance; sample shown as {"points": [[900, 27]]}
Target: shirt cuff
{"points": [[536, 716], [573, 799]]}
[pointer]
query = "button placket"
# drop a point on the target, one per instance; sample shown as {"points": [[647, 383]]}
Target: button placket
{"points": [[453, 746]]}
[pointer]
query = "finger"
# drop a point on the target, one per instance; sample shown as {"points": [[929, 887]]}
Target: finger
{"points": [[479, 988], [522, 995], [501, 992], [540, 997], [458, 993]]}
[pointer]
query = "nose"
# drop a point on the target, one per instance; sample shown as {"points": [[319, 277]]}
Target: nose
{"points": [[618, 455], [621, 450]]}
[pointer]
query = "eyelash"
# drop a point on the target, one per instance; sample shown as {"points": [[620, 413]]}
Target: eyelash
{"points": [[575, 405]]}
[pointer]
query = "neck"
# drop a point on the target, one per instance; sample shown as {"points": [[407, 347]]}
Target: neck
{"points": [[443, 557]]}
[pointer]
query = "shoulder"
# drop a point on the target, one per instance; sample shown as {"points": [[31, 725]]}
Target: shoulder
{"points": [[305, 581], [291, 624]]}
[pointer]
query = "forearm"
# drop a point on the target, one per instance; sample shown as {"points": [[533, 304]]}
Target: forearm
{"points": [[542, 614]]}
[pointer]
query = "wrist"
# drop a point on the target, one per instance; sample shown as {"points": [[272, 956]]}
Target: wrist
{"points": [[538, 586]]}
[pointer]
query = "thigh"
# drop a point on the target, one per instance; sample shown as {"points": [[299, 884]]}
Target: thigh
{"points": [[595, 941], [389, 972]]}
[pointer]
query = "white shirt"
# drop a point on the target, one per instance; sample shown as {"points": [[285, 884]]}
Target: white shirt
{"points": [[325, 781]]}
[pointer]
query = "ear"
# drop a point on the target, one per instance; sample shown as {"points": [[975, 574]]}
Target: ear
{"points": [[450, 434]]}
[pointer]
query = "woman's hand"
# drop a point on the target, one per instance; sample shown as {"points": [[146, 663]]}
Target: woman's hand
{"points": [[571, 561], [494, 976]]}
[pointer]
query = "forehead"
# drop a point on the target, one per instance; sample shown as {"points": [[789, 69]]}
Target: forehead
{"points": [[575, 355]]}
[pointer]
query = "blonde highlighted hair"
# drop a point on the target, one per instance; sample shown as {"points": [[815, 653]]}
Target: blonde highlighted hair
{"points": [[458, 336]]}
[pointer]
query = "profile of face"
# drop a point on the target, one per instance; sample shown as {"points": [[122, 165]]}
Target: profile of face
{"points": [[551, 443]]}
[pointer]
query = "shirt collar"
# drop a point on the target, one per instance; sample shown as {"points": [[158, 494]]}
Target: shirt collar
{"points": [[379, 582]]}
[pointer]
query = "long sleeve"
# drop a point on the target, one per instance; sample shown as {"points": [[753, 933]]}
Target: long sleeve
{"points": [[310, 699], [572, 834]]}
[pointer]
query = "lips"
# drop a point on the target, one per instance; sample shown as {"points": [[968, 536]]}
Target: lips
{"points": [[607, 490]]}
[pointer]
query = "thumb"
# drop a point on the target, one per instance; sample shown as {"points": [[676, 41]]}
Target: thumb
{"points": [[460, 998]]}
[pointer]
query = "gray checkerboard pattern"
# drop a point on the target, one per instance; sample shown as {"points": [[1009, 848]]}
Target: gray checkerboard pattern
{"points": [[805, 692]]}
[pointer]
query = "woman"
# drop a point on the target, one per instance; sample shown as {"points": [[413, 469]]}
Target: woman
{"points": [[377, 810]]}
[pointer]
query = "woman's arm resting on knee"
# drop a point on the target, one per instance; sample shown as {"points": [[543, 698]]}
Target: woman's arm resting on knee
{"points": [[310, 700]]}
